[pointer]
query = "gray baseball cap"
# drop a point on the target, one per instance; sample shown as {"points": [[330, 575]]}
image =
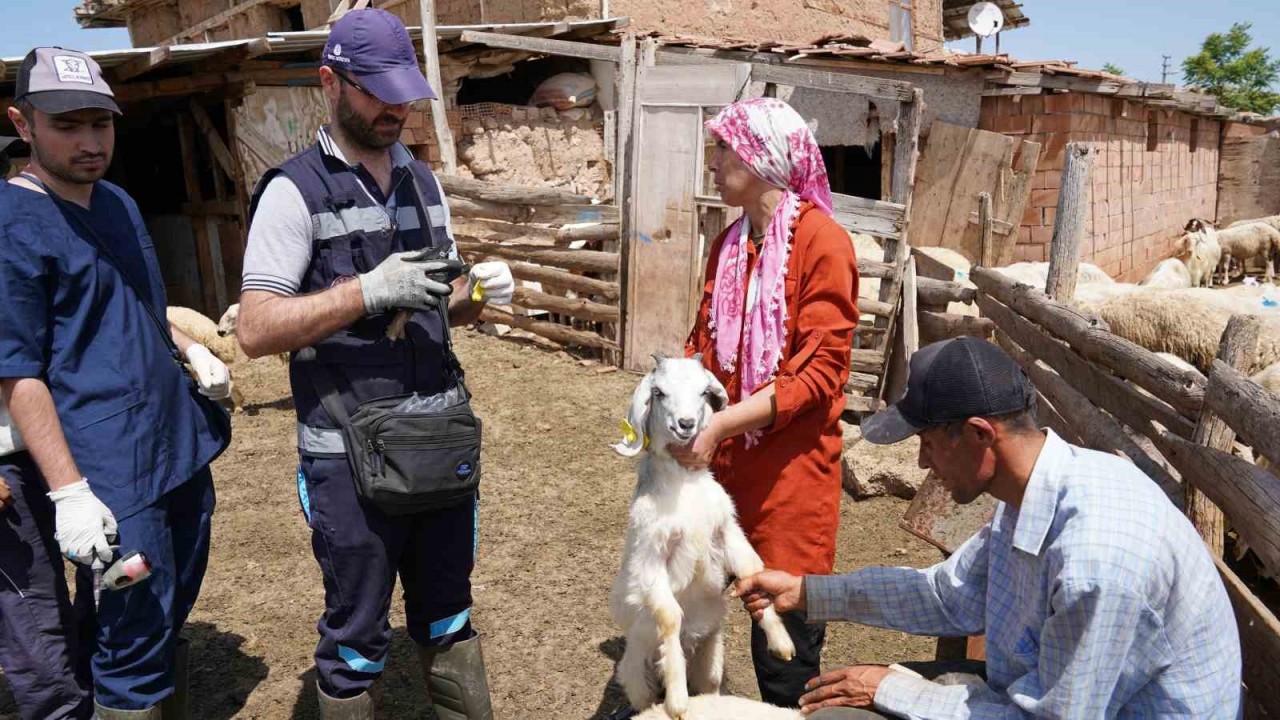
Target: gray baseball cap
{"points": [[58, 81]]}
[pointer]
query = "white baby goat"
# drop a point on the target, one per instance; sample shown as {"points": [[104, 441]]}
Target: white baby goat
{"points": [[683, 541]]}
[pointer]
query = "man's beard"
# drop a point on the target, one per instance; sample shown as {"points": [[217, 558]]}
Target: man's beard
{"points": [[380, 134], [70, 171]]}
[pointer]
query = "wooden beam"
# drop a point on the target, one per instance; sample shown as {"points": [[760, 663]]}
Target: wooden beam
{"points": [[582, 260], [1183, 391], [512, 194], [520, 214], [600, 232], [212, 207], [867, 361], [1006, 91], [218, 20], [431, 58], [872, 217], [986, 224], [1259, 642], [221, 152], [1247, 407], [1237, 348], [873, 269], [1068, 225], [567, 280], [559, 333], [199, 230], [910, 320], [140, 65], [897, 251], [940, 292], [798, 75], [545, 46], [573, 307], [870, 306], [935, 326]]}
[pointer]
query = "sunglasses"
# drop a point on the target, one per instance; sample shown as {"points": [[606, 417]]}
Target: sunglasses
{"points": [[349, 81]]}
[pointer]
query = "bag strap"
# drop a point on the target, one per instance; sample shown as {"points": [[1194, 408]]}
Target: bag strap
{"points": [[94, 239]]}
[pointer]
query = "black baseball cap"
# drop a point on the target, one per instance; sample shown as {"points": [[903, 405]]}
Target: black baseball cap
{"points": [[952, 381], [56, 81]]}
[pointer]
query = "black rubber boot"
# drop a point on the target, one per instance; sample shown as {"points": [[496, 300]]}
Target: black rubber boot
{"points": [[178, 705], [456, 678]]}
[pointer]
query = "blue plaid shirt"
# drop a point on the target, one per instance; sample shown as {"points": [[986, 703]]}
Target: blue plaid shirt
{"points": [[1097, 597]]}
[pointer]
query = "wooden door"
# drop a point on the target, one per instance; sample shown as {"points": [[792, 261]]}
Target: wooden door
{"points": [[674, 212]]}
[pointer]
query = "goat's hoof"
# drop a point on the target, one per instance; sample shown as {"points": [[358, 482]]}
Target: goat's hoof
{"points": [[783, 649], [676, 704]]}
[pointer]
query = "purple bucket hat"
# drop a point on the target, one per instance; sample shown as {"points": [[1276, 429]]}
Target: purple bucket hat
{"points": [[374, 47]]}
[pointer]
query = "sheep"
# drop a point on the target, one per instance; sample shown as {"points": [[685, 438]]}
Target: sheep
{"points": [[1187, 322], [1170, 273], [1036, 274], [1200, 252], [1272, 220], [200, 328], [725, 707], [683, 541], [230, 321], [1244, 242], [1269, 379]]}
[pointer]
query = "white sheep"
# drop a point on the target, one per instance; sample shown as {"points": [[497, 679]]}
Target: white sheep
{"points": [[683, 541], [1272, 220], [1036, 274], [725, 707], [1269, 379], [1186, 322], [1200, 252], [1170, 273], [230, 322], [1245, 242], [200, 328]]}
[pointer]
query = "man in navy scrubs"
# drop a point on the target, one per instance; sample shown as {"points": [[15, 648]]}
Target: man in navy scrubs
{"points": [[94, 379]]}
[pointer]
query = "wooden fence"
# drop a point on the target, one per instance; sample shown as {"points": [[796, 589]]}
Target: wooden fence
{"points": [[563, 242], [1102, 391]]}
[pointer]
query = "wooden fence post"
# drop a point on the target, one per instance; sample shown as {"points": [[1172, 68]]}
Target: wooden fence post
{"points": [[985, 252], [1068, 226], [1239, 343], [431, 56]]}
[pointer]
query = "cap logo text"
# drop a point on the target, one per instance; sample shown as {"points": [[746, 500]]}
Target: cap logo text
{"points": [[72, 69]]}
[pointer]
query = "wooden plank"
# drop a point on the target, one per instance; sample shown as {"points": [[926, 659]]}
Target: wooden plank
{"points": [[897, 250], [1247, 407], [624, 177], [869, 306], [197, 31], [1249, 495], [1068, 227], [212, 207], [582, 260], [872, 269], [551, 331], [986, 227], [872, 217], [935, 326], [509, 194], [867, 361], [940, 292], [1259, 641], [928, 267], [600, 232], [1108, 392], [910, 320], [939, 172], [1095, 428], [1237, 348], [431, 61], [545, 46], [804, 77], [520, 214], [199, 230], [573, 307], [1012, 199], [862, 403], [559, 278], [219, 148], [1087, 335]]}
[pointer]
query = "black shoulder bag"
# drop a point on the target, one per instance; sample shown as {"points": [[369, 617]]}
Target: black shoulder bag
{"points": [[407, 462]]}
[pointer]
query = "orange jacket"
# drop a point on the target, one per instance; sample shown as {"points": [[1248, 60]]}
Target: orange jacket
{"points": [[787, 487]]}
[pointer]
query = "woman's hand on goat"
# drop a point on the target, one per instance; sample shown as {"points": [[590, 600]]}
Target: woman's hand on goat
{"points": [[848, 687], [784, 591], [697, 455]]}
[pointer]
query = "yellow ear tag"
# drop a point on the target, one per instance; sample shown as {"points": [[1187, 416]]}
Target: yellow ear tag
{"points": [[629, 435], [477, 293]]}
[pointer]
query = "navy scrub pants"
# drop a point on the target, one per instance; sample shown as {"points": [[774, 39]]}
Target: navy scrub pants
{"points": [[40, 632], [360, 551], [138, 626]]}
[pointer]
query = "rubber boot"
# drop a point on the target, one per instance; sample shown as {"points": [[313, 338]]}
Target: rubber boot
{"points": [[456, 678], [102, 713], [359, 707], [178, 706]]}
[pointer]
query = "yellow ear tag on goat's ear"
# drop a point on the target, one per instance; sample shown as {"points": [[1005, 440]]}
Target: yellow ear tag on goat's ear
{"points": [[477, 293], [629, 435]]}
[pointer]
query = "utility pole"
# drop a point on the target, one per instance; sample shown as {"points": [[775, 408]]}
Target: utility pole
{"points": [[1164, 70]]}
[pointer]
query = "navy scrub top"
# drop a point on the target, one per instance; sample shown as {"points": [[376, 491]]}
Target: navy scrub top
{"points": [[132, 417]]}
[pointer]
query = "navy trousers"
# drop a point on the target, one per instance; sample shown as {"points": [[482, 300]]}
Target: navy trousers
{"points": [[361, 550], [138, 626], [40, 632]]}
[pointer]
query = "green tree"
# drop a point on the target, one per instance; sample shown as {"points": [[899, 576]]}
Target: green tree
{"points": [[1229, 70], [1113, 69]]}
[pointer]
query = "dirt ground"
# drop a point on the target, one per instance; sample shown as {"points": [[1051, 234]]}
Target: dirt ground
{"points": [[553, 514]]}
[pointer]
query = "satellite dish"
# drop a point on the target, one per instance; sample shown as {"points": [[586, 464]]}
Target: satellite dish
{"points": [[985, 19]]}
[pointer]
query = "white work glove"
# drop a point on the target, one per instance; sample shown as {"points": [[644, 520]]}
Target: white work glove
{"points": [[84, 526], [211, 373], [401, 281], [491, 282]]}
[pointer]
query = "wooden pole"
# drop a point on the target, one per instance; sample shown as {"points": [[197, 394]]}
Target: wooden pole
{"points": [[1068, 226], [985, 222], [1239, 342], [431, 57]]}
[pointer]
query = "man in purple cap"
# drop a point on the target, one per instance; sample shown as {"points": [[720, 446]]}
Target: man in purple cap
{"points": [[118, 437], [342, 236], [1097, 596]]}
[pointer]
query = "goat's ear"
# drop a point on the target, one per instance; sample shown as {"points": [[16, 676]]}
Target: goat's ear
{"points": [[636, 425], [716, 394], [659, 358]]}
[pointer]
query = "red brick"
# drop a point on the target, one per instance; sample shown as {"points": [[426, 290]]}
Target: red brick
{"points": [[1031, 216], [1033, 104], [1013, 124], [1058, 103], [1024, 235], [1052, 123], [1041, 235], [1050, 216], [1044, 198], [1053, 180]]}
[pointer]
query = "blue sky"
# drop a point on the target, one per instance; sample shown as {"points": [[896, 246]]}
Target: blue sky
{"points": [[1130, 33]]}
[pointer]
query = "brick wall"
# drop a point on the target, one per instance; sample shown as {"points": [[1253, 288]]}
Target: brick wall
{"points": [[1147, 179]]}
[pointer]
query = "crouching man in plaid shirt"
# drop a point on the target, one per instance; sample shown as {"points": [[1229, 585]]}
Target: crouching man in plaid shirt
{"points": [[1097, 597]]}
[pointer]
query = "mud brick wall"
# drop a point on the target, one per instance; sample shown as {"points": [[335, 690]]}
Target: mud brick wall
{"points": [[1156, 169]]}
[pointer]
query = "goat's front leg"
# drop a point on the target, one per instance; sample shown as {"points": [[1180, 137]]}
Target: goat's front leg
{"points": [[743, 563], [633, 669], [706, 668], [668, 616]]}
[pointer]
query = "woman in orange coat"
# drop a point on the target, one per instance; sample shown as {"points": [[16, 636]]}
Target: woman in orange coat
{"points": [[776, 327]]}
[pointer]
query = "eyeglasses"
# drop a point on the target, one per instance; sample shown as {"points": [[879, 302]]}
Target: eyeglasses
{"points": [[343, 78]]}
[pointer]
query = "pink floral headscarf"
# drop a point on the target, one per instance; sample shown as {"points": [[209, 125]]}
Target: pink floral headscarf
{"points": [[774, 142]]}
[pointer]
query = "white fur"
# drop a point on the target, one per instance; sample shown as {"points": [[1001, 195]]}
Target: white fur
{"points": [[725, 707], [683, 542], [1246, 242], [1200, 252], [200, 328], [1036, 274], [1170, 273], [230, 322]]}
